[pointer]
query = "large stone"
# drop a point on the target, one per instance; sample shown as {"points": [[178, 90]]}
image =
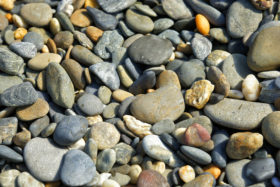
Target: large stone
{"points": [[59, 85], [42, 60], [176, 9], [264, 54], [24, 49], [8, 178], [90, 104], [10, 62], [271, 130], [7, 81], [238, 114], [165, 103], [150, 50]]}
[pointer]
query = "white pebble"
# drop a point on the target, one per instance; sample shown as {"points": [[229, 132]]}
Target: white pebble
{"points": [[235, 94], [269, 74], [110, 183], [251, 88], [179, 134], [172, 57], [19, 22], [186, 173], [80, 144], [45, 49], [68, 10], [179, 54]]}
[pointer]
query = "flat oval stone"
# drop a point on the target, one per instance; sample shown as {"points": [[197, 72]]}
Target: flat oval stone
{"points": [[168, 100], [84, 56], [151, 178], [10, 62], [242, 18], [139, 22], [196, 154], [70, 129], [204, 179], [162, 24], [105, 160], [238, 114], [150, 50], [36, 14], [42, 60], [176, 9], [26, 179], [101, 19], [164, 126], [60, 86], [10, 155], [113, 6], [81, 18], [260, 169], [77, 168], [90, 104], [39, 125], [216, 57], [19, 95], [64, 39], [43, 159], [105, 134]]}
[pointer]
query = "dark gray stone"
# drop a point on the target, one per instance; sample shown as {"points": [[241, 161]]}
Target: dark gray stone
{"points": [[124, 106], [201, 47], [70, 130], [170, 141], [10, 62], [196, 154], [7, 81], [215, 98], [101, 19], [132, 68], [219, 156], [113, 6], [164, 126], [90, 104], [145, 81], [35, 38], [221, 4], [150, 50], [260, 170], [237, 46], [77, 169], [9, 154], [19, 95]]}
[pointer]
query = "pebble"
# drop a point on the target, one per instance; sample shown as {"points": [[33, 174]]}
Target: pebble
{"points": [[21, 138], [77, 168], [124, 152], [94, 33], [270, 128], [8, 178], [25, 179], [36, 14], [80, 18], [65, 21], [121, 95], [138, 22], [196, 135], [219, 80], [151, 178], [42, 60], [19, 95], [124, 76], [39, 125], [110, 183], [214, 170], [110, 111], [171, 105], [35, 38], [104, 94], [201, 47], [113, 6], [220, 35], [164, 126], [186, 173], [268, 74], [10, 155], [242, 18], [146, 81], [238, 114], [64, 39], [138, 127], [24, 49], [199, 94], [171, 35], [218, 154], [55, 26], [251, 88], [216, 57], [196, 154], [101, 19], [84, 56], [243, 144], [134, 173], [105, 134], [43, 159], [121, 179], [70, 129], [83, 39], [20, 33], [145, 9], [202, 180], [105, 160], [260, 170], [8, 81]]}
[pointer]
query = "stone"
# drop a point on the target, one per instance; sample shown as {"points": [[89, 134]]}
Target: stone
{"points": [[121, 95], [84, 56], [36, 14], [151, 178], [146, 81], [124, 152], [8, 178], [176, 9], [37, 110], [236, 173], [196, 135], [70, 129], [64, 21], [101, 19], [251, 88], [121, 179], [202, 180], [83, 39], [55, 26], [80, 18], [243, 144], [235, 69], [141, 51], [134, 173], [262, 5], [8, 129], [270, 128], [42, 60], [242, 18], [35, 38], [113, 6], [77, 168], [75, 72], [105, 134], [21, 138], [39, 125], [145, 9], [59, 87], [94, 33], [138, 22], [164, 126], [215, 98], [261, 169], [186, 173], [64, 39], [269, 74], [269, 91], [4, 22], [19, 95], [91, 148], [107, 73], [162, 24], [214, 170], [111, 183], [201, 47], [219, 157], [200, 119], [124, 76], [110, 111], [138, 127], [25, 180], [105, 160], [261, 58], [108, 43], [171, 105], [43, 159], [24, 49], [216, 76], [10, 62], [238, 114], [168, 78], [196, 154], [199, 94], [8, 81], [216, 57], [220, 35], [10, 155]]}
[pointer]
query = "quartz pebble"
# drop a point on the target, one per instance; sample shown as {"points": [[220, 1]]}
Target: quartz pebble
{"points": [[251, 88]]}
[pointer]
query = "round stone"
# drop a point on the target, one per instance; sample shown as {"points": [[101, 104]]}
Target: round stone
{"points": [[104, 94], [151, 178], [90, 104], [42, 60], [186, 173], [105, 134], [270, 129], [110, 111], [216, 57], [36, 14], [94, 33], [77, 168], [138, 22], [43, 159], [201, 47], [64, 39], [164, 126], [105, 160], [80, 18], [124, 152]]}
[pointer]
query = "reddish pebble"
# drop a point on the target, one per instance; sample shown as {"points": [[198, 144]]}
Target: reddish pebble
{"points": [[196, 135], [151, 178]]}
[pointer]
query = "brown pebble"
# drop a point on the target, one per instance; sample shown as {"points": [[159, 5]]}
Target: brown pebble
{"points": [[94, 33], [87, 76], [277, 103], [168, 78], [21, 138], [81, 18], [68, 53], [51, 45], [64, 39], [41, 81], [151, 178]]}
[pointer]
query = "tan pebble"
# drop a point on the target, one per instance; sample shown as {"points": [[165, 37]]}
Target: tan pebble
{"points": [[80, 18], [7, 4], [21, 138], [168, 78], [55, 26], [251, 88], [41, 81], [126, 80], [159, 167], [150, 90], [88, 76], [31, 80], [94, 119], [134, 173], [199, 94], [179, 134], [45, 49], [110, 183], [138, 127], [214, 170], [91, 3], [184, 48], [67, 55], [186, 173], [20, 33], [120, 95], [19, 22], [51, 45], [94, 33], [78, 4], [236, 94]]}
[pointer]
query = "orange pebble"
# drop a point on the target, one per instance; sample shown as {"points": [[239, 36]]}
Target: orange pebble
{"points": [[91, 3], [20, 33], [214, 170], [202, 24], [9, 17]]}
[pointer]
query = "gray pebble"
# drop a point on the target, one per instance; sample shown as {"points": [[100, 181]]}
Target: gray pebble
{"points": [[101, 19], [9, 154], [35, 38], [90, 104], [39, 125], [105, 160]]}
